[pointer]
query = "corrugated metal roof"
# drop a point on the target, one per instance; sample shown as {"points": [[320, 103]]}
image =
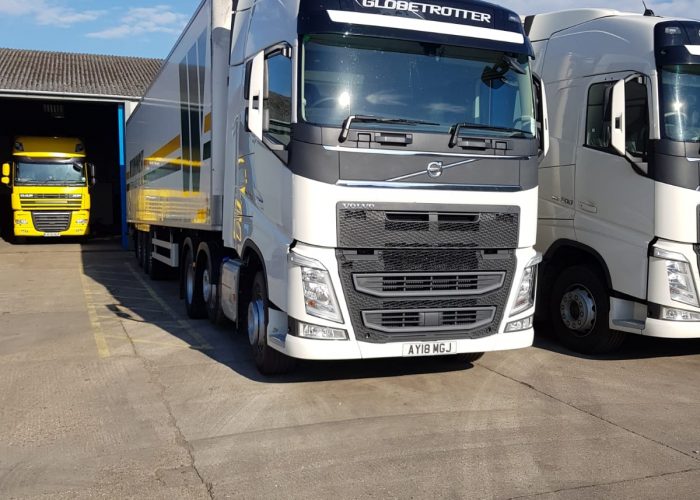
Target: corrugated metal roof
{"points": [[84, 74]]}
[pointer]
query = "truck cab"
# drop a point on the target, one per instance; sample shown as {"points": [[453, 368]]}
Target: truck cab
{"points": [[619, 208], [49, 181]]}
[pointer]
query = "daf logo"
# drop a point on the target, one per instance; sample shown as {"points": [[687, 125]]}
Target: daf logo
{"points": [[435, 169], [364, 206]]}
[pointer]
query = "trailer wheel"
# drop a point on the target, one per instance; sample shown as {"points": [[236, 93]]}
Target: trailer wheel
{"points": [[138, 244], [137, 252], [579, 311], [209, 261], [157, 269], [268, 360], [146, 253], [194, 302]]}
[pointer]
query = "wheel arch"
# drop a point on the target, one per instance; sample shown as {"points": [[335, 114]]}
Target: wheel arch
{"points": [[564, 251]]}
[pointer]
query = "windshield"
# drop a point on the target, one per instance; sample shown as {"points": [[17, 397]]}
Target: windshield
{"points": [[681, 102], [443, 85], [53, 173]]}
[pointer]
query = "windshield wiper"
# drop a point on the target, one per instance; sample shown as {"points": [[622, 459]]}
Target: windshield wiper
{"points": [[454, 130], [376, 119]]}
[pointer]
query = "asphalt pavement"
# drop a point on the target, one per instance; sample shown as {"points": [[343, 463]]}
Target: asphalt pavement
{"points": [[108, 390]]}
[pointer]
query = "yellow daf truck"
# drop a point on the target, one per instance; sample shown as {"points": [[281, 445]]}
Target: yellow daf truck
{"points": [[49, 180]]}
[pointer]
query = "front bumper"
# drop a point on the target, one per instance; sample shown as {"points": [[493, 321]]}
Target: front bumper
{"points": [[24, 224], [302, 348]]}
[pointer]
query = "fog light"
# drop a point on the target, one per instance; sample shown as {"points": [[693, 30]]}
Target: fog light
{"points": [[673, 314], [319, 332], [520, 324]]}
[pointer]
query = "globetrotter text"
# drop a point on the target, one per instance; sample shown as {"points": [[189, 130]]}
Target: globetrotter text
{"points": [[428, 8]]}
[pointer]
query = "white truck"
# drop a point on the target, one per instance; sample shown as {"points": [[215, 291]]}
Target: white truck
{"points": [[619, 213], [345, 179]]}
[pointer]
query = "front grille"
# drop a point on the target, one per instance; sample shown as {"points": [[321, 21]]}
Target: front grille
{"points": [[487, 227], [51, 201], [411, 310], [51, 222], [421, 284], [428, 320]]}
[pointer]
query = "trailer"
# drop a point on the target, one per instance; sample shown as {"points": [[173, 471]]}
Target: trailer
{"points": [[619, 213], [345, 180]]}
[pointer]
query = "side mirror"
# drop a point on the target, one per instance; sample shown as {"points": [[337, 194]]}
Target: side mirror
{"points": [[5, 169], [91, 173], [542, 115], [256, 95], [617, 118]]}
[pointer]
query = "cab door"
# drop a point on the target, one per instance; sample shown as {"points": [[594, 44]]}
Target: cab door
{"points": [[614, 198]]}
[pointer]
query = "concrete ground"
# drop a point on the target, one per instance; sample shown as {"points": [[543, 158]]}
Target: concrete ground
{"points": [[108, 390]]}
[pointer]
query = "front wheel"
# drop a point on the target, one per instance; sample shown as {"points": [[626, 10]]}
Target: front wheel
{"points": [[579, 312], [268, 360]]}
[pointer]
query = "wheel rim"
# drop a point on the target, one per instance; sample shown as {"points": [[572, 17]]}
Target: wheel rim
{"points": [[256, 322], [206, 285], [189, 279], [578, 310]]}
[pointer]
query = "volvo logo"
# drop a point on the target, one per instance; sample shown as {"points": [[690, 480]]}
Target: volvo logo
{"points": [[364, 206], [434, 169]]}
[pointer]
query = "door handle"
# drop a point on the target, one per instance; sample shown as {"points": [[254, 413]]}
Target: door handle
{"points": [[588, 207]]}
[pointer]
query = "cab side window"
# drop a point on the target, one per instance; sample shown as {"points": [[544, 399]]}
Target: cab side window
{"points": [[636, 118], [279, 98], [598, 115]]}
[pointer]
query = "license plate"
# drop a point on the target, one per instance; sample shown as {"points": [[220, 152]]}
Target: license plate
{"points": [[52, 234], [429, 348]]}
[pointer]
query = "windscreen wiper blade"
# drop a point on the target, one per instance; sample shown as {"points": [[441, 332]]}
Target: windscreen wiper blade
{"points": [[454, 130], [376, 119]]}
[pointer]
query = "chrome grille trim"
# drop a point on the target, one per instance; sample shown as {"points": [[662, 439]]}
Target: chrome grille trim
{"points": [[51, 222], [428, 320], [51, 200], [428, 284]]}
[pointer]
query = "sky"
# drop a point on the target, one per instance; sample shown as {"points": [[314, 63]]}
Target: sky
{"points": [[149, 28]]}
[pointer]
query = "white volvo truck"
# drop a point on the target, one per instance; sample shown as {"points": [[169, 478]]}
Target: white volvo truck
{"points": [[345, 179], [619, 213]]}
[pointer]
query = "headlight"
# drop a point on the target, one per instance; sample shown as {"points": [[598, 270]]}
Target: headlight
{"points": [[26, 195], [526, 292], [319, 295], [75, 195], [21, 222], [81, 221], [681, 285]]}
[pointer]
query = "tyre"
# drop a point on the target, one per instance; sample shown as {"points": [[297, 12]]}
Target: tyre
{"points": [[146, 253], [469, 357], [194, 301], [579, 311], [211, 284], [268, 360], [157, 270], [138, 247]]}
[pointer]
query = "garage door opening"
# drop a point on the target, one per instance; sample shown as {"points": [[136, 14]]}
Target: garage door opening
{"points": [[97, 124]]}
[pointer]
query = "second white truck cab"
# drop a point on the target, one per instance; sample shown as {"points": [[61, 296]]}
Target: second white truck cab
{"points": [[619, 211]]}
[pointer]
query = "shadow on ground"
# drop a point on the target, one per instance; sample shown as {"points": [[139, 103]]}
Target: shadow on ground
{"points": [[115, 269], [633, 347]]}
